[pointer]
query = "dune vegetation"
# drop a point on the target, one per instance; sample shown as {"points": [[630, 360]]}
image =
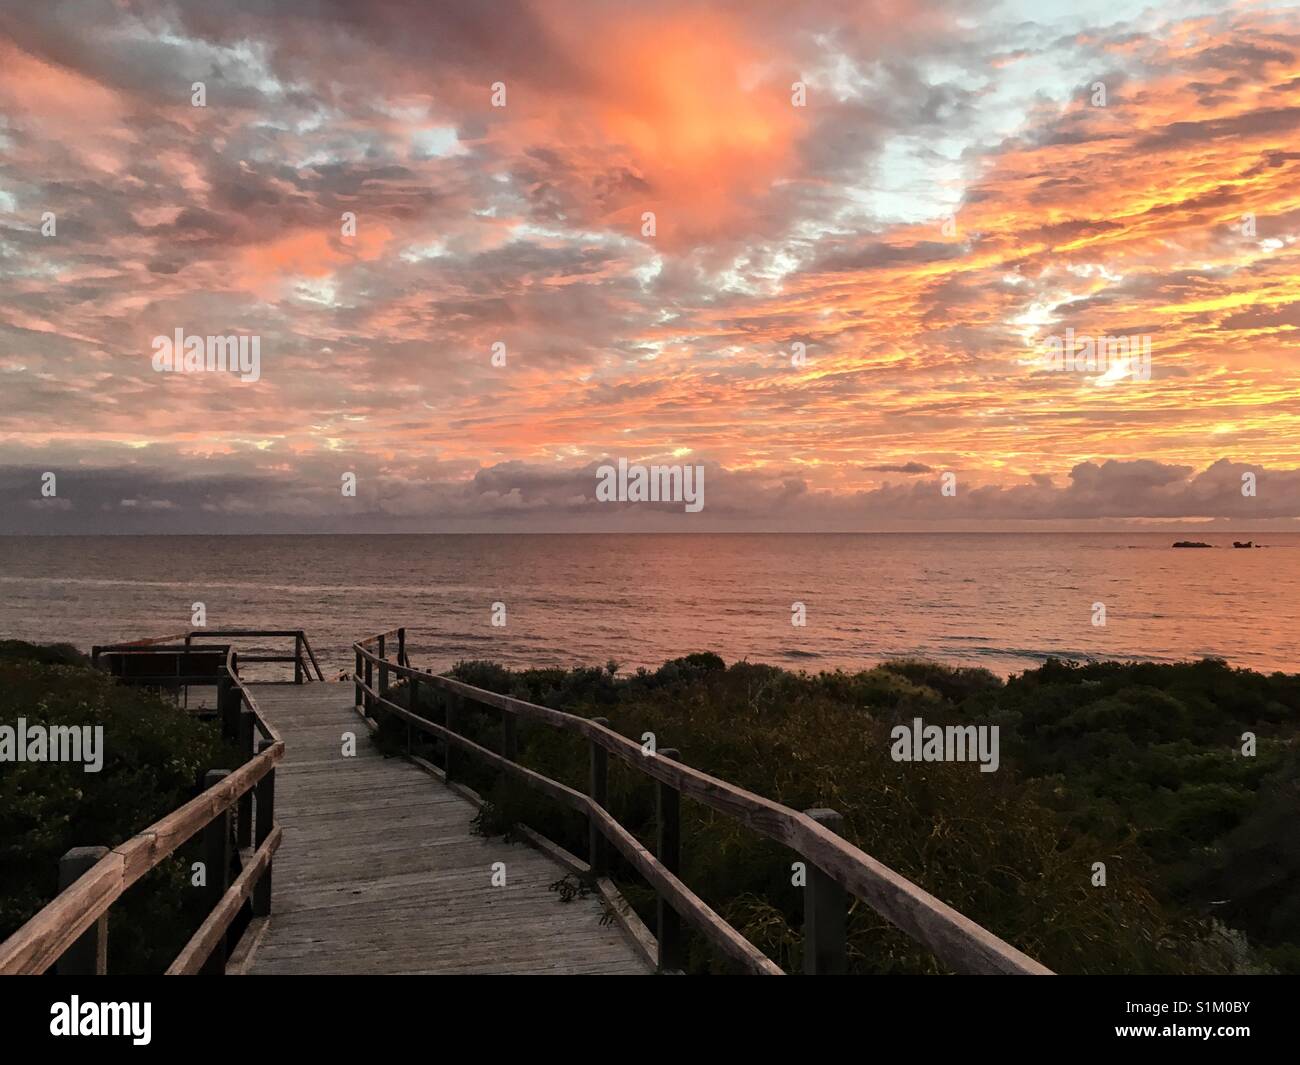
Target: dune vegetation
{"points": [[154, 757]]}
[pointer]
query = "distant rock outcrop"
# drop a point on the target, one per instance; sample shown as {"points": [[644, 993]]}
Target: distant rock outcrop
{"points": [[1190, 543]]}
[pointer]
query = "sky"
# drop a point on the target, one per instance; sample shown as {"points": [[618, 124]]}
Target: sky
{"points": [[821, 250]]}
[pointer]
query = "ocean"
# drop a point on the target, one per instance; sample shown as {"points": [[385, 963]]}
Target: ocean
{"points": [[1004, 602]]}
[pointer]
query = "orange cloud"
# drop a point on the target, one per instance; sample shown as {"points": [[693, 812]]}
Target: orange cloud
{"points": [[685, 98], [311, 253], [76, 111], [679, 113], [1109, 220]]}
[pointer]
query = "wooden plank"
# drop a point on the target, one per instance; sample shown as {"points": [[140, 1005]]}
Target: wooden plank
{"points": [[246, 949], [190, 960], [380, 870], [148, 642], [628, 919], [246, 632]]}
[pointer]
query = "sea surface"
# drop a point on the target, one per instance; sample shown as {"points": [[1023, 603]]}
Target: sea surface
{"points": [[1002, 601]]}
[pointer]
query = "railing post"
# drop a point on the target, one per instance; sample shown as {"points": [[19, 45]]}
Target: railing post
{"points": [[368, 699], [216, 867], [297, 658], [672, 947], [359, 694], [244, 818], [452, 702], [597, 850], [88, 956], [309, 663], [231, 703], [401, 647], [412, 705], [383, 668], [825, 909], [509, 740], [265, 822]]}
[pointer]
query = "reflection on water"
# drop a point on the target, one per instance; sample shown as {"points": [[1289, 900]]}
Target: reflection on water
{"points": [[1000, 601]]}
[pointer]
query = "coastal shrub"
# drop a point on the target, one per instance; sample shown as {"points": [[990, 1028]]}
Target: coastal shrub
{"points": [[154, 755]]}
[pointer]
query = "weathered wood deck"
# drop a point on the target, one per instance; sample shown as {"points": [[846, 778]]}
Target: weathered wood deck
{"points": [[379, 871]]}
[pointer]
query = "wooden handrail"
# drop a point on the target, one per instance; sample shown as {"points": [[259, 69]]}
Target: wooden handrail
{"points": [[303, 658], [379, 636], [197, 951], [263, 726], [245, 632], [693, 908], [954, 939], [147, 642], [311, 655], [40, 942], [44, 938]]}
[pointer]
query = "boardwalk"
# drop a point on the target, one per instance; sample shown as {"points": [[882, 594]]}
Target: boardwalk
{"points": [[380, 872], [358, 864]]}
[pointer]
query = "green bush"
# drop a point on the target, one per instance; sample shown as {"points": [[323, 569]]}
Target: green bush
{"points": [[154, 755]]}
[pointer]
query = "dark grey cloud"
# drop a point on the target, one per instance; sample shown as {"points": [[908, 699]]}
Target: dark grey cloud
{"points": [[512, 496], [901, 467]]}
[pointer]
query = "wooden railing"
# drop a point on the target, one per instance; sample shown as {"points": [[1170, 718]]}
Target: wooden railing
{"points": [[303, 657], [236, 808], [835, 868]]}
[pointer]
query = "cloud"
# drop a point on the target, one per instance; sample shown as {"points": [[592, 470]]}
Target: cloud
{"points": [[520, 227], [901, 467], [149, 499]]}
